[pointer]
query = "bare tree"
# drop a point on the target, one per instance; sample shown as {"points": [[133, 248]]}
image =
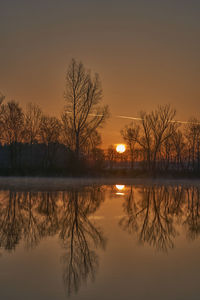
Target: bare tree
{"points": [[162, 127], [145, 139], [179, 148], [93, 142], [111, 156], [32, 120], [151, 134], [12, 119], [130, 134], [192, 133], [32, 116], [50, 128], [2, 97], [83, 114]]}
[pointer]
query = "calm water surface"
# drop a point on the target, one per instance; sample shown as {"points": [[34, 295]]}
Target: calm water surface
{"points": [[100, 242]]}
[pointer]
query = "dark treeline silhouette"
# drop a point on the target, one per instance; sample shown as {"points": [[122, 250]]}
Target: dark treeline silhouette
{"points": [[29, 216], [159, 144], [33, 141], [156, 214]]}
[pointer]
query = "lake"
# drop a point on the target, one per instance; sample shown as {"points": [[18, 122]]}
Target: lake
{"points": [[62, 239]]}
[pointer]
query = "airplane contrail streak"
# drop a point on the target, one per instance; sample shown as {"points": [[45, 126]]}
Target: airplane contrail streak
{"points": [[173, 121], [140, 119], [131, 118]]}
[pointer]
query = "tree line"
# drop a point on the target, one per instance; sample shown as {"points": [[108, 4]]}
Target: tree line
{"points": [[31, 139], [160, 143], [76, 129]]}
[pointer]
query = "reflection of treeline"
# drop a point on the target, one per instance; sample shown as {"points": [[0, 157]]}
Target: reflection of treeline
{"points": [[31, 216], [154, 214], [159, 143]]}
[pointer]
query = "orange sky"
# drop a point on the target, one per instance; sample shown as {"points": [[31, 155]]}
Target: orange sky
{"points": [[146, 53]]}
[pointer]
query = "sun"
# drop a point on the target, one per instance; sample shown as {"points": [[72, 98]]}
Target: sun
{"points": [[120, 187], [120, 148]]}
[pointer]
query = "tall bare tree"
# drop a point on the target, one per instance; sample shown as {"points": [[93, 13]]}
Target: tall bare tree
{"points": [[83, 112]]}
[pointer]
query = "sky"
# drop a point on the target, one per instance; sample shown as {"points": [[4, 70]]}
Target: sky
{"points": [[147, 52]]}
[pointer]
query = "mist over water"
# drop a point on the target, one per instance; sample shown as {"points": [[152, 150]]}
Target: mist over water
{"points": [[97, 241]]}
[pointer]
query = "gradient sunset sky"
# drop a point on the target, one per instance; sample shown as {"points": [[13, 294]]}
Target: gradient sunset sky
{"points": [[146, 52]]}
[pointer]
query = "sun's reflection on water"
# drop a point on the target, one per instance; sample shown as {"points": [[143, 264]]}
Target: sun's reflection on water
{"points": [[120, 188]]}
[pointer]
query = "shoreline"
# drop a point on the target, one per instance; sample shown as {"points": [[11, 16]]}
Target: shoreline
{"points": [[63, 183]]}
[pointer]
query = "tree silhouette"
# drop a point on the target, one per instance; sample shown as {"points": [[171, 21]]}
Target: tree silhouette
{"points": [[50, 129], [12, 119], [130, 135], [83, 114], [33, 115]]}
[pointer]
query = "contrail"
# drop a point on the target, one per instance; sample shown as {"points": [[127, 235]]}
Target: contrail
{"points": [[140, 119], [172, 121], [131, 118]]}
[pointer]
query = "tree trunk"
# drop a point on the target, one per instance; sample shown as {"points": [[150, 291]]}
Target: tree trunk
{"points": [[77, 150]]}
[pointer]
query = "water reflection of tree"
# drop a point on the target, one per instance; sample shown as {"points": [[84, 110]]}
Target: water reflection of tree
{"points": [[19, 219], [30, 216], [49, 211], [192, 220], [11, 221], [80, 237], [31, 220], [154, 214]]}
